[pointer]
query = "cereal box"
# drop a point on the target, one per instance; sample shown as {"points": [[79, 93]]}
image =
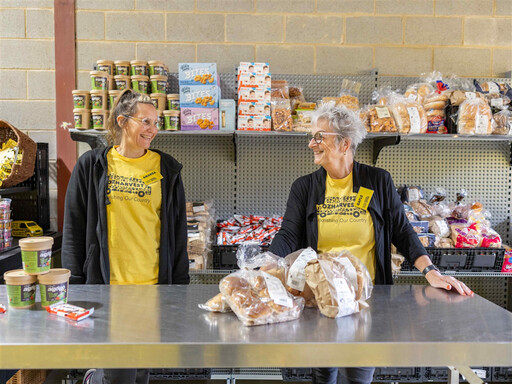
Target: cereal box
{"points": [[198, 74], [253, 80], [197, 119], [258, 68], [251, 108], [227, 112], [254, 95], [254, 123], [199, 96]]}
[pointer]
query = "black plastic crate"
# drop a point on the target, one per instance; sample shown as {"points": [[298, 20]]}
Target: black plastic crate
{"points": [[502, 374], [224, 256], [181, 374], [464, 259], [33, 204], [402, 374], [440, 374], [297, 374]]}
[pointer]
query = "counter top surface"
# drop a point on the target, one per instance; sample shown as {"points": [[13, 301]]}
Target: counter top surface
{"points": [[162, 326]]}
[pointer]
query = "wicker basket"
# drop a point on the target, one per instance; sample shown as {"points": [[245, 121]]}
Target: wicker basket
{"points": [[20, 172], [29, 376]]}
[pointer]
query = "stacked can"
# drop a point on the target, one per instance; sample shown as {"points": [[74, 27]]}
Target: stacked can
{"points": [[199, 96], [21, 284], [5, 223]]}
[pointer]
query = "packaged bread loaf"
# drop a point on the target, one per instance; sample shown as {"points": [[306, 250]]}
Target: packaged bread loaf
{"points": [[259, 298], [409, 116], [418, 92], [434, 105], [501, 122], [457, 97], [380, 119], [340, 282], [216, 304], [296, 278], [474, 118]]}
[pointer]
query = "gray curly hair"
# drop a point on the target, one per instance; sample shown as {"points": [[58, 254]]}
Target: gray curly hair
{"points": [[342, 121]]}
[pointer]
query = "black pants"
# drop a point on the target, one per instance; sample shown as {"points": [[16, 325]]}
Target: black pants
{"points": [[121, 376], [343, 375]]}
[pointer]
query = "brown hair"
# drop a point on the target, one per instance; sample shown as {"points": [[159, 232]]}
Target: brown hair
{"points": [[124, 105]]}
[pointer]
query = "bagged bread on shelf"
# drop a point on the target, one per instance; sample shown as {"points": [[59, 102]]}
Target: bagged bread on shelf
{"points": [[434, 105], [281, 115], [349, 94], [382, 96], [493, 87], [464, 236], [280, 89], [409, 115], [474, 118], [340, 282], [257, 298], [418, 92], [501, 122], [379, 119], [422, 209], [457, 97], [200, 222], [296, 97], [439, 227], [216, 304], [296, 278]]}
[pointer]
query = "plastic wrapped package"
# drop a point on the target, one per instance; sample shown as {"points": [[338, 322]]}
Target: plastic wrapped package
{"points": [[409, 212], [303, 121], [443, 242], [439, 227], [409, 116], [418, 92], [422, 209], [296, 97], [380, 119], [340, 282], [296, 278], [490, 238], [457, 97], [200, 222], [259, 298], [465, 236], [493, 87], [280, 89], [497, 100], [474, 118], [434, 105], [427, 239], [382, 96], [461, 211], [281, 115], [501, 122], [349, 94], [411, 193], [216, 304]]}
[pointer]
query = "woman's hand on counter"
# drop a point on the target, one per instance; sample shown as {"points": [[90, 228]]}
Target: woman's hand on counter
{"points": [[450, 283]]}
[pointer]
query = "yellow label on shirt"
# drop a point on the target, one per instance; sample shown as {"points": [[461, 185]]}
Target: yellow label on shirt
{"points": [[363, 198], [151, 177]]}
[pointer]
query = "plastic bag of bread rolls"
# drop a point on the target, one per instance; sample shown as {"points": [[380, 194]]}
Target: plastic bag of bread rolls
{"points": [[434, 105], [418, 92], [259, 298], [501, 122], [248, 258], [409, 116], [380, 119], [296, 278], [216, 304], [474, 118], [340, 282]]}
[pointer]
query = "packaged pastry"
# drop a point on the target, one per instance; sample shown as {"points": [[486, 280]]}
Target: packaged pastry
{"points": [[281, 115], [296, 97], [380, 119], [303, 121], [409, 116], [257, 298], [493, 87], [474, 118], [501, 122], [349, 94], [296, 277], [280, 89], [439, 227], [428, 240], [216, 304], [340, 282], [422, 209]]}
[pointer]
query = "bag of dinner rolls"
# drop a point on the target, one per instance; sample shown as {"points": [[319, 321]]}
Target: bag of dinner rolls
{"points": [[409, 115], [216, 304], [296, 277], [340, 282], [474, 117]]}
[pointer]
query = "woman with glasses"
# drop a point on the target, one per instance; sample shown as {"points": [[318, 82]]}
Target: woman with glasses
{"points": [[324, 212], [125, 216]]}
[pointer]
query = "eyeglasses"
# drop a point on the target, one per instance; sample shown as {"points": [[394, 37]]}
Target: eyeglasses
{"points": [[146, 122], [319, 136]]}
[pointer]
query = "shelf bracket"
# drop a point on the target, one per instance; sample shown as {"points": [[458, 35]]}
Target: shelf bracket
{"points": [[94, 140], [381, 142]]}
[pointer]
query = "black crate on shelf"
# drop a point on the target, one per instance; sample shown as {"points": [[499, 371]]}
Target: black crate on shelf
{"points": [[402, 374], [464, 259], [502, 374], [297, 374], [224, 256], [440, 374], [34, 203], [181, 374]]}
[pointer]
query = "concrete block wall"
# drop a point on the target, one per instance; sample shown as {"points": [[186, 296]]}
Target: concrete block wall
{"points": [[471, 38], [27, 76]]}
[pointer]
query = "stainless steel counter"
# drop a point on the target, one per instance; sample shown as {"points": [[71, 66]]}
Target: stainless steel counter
{"points": [[161, 326]]}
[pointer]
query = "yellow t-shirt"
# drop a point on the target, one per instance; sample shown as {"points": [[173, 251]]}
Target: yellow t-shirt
{"points": [[133, 218], [343, 226]]}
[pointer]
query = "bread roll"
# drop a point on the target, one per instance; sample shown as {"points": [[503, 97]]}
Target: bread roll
{"points": [[474, 118]]}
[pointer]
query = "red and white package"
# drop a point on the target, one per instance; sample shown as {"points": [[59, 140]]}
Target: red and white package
{"points": [[2, 308], [70, 311], [466, 236]]}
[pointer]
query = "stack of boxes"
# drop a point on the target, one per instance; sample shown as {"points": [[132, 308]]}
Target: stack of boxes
{"points": [[199, 96], [254, 91]]}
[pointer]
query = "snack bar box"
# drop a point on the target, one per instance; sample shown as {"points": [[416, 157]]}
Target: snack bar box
{"points": [[257, 68], [199, 119], [199, 96], [254, 123], [198, 74]]}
